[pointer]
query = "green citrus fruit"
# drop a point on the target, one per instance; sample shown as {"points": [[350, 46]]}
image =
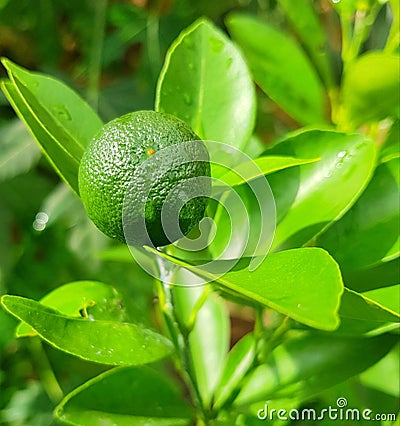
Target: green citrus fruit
{"points": [[143, 154]]}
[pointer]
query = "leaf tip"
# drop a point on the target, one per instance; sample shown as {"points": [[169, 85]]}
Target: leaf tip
{"points": [[3, 300], [7, 64]]}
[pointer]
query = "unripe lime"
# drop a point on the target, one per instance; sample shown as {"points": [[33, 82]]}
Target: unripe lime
{"points": [[113, 164]]}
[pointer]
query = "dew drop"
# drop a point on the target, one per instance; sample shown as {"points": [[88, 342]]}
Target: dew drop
{"points": [[229, 62], [188, 99], [61, 112], [216, 44], [342, 154], [188, 42]]}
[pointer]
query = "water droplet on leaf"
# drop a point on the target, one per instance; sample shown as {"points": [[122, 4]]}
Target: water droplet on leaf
{"points": [[216, 44], [188, 99], [188, 42], [61, 112]]}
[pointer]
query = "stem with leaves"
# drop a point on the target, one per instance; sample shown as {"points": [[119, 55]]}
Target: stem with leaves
{"points": [[179, 334]]}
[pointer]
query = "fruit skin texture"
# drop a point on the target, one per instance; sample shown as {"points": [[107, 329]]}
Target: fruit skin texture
{"points": [[112, 164]]}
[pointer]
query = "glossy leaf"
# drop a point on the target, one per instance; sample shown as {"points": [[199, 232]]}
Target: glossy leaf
{"points": [[361, 315], [387, 368], [304, 19], [292, 282], [253, 204], [388, 297], [53, 113], [206, 83], [96, 300], [105, 342], [118, 253], [370, 89], [306, 365], [254, 146], [239, 361], [134, 396], [310, 197], [260, 166], [209, 338], [63, 163], [293, 84], [393, 40], [383, 274], [391, 148], [375, 216], [18, 151], [57, 106]]}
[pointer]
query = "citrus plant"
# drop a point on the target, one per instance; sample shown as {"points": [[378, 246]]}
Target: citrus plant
{"points": [[317, 268]]}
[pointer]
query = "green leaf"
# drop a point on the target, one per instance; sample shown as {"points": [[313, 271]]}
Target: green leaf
{"points": [[253, 169], [126, 397], [306, 365], [370, 90], [206, 83], [388, 297], [384, 274], [97, 300], [61, 109], [209, 338], [54, 114], [118, 253], [391, 148], [105, 342], [361, 315], [18, 151], [239, 361], [279, 67], [303, 17], [393, 40], [387, 368], [310, 197], [63, 163], [375, 217], [254, 146], [292, 282], [251, 202]]}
